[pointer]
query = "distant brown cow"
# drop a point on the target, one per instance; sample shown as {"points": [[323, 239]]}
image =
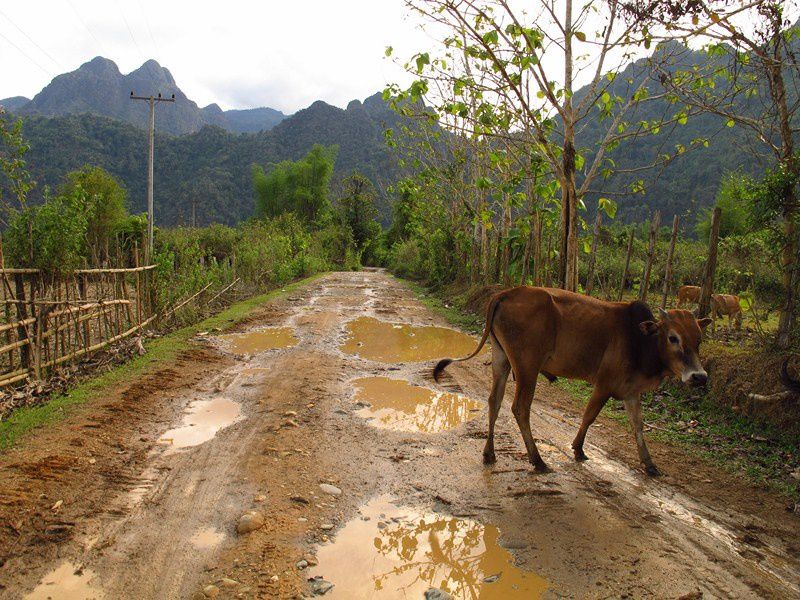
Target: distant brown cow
{"points": [[688, 294], [617, 346], [726, 304]]}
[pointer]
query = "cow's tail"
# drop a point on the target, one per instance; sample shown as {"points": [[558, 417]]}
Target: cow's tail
{"points": [[490, 310], [790, 383]]}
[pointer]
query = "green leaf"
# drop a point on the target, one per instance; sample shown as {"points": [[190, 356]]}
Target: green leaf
{"points": [[580, 35], [730, 123], [608, 206], [388, 51]]}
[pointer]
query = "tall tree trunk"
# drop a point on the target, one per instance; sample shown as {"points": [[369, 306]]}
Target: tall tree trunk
{"points": [[627, 264], [789, 256], [537, 248], [503, 241], [668, 272], [569, 197], [711, 266], [598, 220], [644, 284]]}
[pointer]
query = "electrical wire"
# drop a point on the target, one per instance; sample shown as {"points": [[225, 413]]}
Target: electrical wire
{"points": [[28, 56], [86, 26], [149, 30], [130, 31], [32, 41]]}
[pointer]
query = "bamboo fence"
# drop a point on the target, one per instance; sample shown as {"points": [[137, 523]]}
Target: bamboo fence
{"points": [[48, 321]]}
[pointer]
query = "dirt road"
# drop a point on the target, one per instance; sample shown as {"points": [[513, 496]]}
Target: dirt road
{"points": [[138, 494]]}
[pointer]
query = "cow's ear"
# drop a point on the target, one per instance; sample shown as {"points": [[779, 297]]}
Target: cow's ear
{"points": [[649, 327], [703, 323]]}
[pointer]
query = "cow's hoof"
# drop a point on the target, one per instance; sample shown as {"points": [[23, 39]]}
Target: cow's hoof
{"points": [[489, 458], [580, 455], [652, 470], [541, 467]]}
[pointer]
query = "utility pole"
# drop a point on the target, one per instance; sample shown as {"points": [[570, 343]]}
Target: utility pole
{"points": [[150, 218]]}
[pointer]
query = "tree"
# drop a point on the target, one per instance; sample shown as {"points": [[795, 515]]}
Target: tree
{"points": [[356, 209], [752, 55], [51, 236], [301, 187], [106, 207], [516, 84], [734, 197], [12, 165]]}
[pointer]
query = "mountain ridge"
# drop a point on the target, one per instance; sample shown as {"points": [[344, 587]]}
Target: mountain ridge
{"points": [[98, 87]]}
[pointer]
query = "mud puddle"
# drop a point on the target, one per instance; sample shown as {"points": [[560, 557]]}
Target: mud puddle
{"points": [[396, 404], [202, 422], [66, 583], [261, 340], [207, 538], [382, 341], [402, 553]]}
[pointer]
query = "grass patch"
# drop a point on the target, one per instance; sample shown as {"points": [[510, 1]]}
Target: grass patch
{"points": [[159, 350], [686, 418], [450, 309]]}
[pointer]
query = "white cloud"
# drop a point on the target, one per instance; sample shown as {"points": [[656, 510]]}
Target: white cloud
{"points": [[238, 54]]}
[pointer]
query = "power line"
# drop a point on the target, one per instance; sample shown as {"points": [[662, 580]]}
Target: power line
{"points": [[31, 40], [26, 55], [149, 30], [130, 31], [86, 26]]}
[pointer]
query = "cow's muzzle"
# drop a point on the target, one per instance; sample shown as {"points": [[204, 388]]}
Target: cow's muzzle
{"points": [[698, 379]]}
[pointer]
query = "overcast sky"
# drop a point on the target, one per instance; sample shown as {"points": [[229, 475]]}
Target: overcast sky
{"points": [[238, 54]]}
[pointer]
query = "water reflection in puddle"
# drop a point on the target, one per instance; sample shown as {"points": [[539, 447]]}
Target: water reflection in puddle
{"points": [[202, 422], [396, 404], [261, 340], [400, 553], [207, 538], [64, 584], [387, 342]]}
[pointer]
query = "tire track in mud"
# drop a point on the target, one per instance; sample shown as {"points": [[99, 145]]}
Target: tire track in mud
{"points": [[599, 529]]}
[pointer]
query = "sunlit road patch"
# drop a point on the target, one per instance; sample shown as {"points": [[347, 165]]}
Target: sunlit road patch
{"points": [[203, 420], [396, 404], [260, 340], [401, 553], [66, 582], [391, 342]]}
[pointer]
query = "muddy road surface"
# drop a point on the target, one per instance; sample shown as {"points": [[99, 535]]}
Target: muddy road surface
{"points": [[316, 431]]}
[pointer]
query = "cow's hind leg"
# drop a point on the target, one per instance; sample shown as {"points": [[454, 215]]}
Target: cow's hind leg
{"points": [[526, 387], [596, 403], [500, 369]]}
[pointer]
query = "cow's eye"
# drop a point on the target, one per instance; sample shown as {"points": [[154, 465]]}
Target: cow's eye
{"points": [[674, 339]]}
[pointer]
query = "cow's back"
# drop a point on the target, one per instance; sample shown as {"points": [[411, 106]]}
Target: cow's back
{"points": [[574, 330]]}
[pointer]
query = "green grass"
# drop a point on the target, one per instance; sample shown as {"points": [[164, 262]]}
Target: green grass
{"points": [[448, 309], [159, 351], [763, 453]]}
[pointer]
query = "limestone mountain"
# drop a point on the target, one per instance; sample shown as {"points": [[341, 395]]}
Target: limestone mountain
{"points": [[99, 88]]}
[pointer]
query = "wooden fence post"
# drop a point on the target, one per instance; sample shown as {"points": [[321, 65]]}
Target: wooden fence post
{"points": [[598, 221], [627, 264], [644, 284], [711, 266], [22, 315], [668, 273]]}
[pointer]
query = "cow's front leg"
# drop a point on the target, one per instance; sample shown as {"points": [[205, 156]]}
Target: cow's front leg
{"points": [[593, 408], [633, 406]]}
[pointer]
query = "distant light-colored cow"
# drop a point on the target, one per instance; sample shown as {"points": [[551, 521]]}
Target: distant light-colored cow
{"points": [[688, 294], [726, 304]]}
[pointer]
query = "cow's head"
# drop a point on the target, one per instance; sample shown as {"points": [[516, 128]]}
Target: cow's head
{"points": [[679, 335]]}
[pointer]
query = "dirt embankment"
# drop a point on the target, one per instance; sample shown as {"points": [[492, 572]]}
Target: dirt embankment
{"points": [[139, 494]]}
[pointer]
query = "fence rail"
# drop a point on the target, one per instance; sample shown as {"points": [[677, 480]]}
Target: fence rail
{"points": [[46, 321]]}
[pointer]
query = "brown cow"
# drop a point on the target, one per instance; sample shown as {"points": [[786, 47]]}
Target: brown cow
{"points": [[726, 304], [688, 294], [617, 346]]}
